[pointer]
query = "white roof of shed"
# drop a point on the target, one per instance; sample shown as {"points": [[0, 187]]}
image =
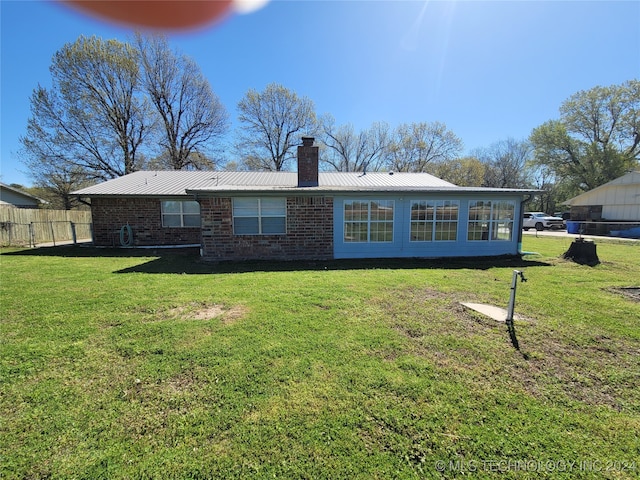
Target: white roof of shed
{"points": [[622, 190], [19, 193]]}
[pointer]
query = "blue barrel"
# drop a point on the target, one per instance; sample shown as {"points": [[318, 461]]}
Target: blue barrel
{"points": [[573, 227]]}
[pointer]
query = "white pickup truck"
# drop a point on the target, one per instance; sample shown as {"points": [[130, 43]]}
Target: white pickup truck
{"points": [[540, 221]]}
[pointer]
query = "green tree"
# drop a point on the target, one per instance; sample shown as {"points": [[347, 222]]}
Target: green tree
{"points": [[595, 140], [464, 172], [272, 122]]}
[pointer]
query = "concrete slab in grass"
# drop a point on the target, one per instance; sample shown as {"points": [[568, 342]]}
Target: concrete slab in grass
{"points": [[497, 313]]}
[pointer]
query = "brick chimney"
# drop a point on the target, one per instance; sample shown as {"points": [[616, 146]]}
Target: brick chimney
{"points": [[307, 163]]}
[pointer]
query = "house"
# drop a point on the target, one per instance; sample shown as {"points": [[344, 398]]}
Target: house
{"points": [[615, 201], [307, 214], [14, 197]]}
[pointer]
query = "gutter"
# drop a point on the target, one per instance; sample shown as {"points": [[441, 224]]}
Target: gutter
{"points": [[245, 190]]}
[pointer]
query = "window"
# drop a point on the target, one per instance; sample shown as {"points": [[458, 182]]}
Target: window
{"points": [[491, 220], [180, 213], [368, 221], [259, 216], [434, 220]]}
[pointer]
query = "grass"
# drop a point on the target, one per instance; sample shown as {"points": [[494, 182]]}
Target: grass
{"points": [[119, 365]]}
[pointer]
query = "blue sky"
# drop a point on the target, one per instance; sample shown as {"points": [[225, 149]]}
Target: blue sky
{"points": [[488, 70]]}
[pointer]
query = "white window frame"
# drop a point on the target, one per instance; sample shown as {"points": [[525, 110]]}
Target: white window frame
{"points": [[181, 214], [438, 207], [259, 215], [493, 224], [368, 221]]}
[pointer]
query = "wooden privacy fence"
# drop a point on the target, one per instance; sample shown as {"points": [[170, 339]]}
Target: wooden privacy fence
{"points": [[26, 226]]}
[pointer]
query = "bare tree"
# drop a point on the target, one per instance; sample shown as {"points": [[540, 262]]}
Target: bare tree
{"points": [[417, 146], [92, 118], [348, 151], [506, 164], [272, 123], [56, 187], [543, 179], [192, 117]]}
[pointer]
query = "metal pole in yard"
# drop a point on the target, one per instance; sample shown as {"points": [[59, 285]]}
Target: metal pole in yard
{"points": [[73, 233], [512, 298], [512, 302], [32, 235], [9, 231], [53, 235]]}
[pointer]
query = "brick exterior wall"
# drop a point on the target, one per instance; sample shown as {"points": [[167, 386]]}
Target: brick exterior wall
{"points": [[309, 232], [143, 216]]}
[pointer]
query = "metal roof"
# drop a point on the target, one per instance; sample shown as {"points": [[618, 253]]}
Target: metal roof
{"points": [[187, 183], [150, 183]]}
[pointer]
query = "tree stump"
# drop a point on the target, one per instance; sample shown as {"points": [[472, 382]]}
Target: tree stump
{"points": [[582, 252]]}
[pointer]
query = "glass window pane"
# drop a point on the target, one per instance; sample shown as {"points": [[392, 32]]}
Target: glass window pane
{"points": [[171, 207], [418, 210], [245, 207], [480, 210], [245, 226], [171, 221], [356, 211], [273, 206], [191, 220], [382, 210], [448, 210], [382, 232], [273, 225], [477, 231], [417, 233], [446, 231], [355, 232], [377, 211], [191, 207]]}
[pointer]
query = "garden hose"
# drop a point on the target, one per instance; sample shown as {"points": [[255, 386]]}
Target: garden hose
{"points": [[129, 236]]}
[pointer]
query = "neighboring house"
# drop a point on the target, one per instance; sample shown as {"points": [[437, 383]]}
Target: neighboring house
{"points": [[615, 201], [308, 214], [13, 197]]}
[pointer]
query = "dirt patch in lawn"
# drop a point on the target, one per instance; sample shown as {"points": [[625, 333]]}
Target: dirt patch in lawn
{"points": [[228, 315]]}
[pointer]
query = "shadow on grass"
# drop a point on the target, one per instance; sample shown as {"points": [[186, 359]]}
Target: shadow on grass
{"points": [[188, 261]]}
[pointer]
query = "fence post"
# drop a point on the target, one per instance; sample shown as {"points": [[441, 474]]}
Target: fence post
{"points": [[73, 233]]}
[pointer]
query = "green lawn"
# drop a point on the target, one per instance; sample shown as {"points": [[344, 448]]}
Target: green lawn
{"points": [[117, 365]]}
